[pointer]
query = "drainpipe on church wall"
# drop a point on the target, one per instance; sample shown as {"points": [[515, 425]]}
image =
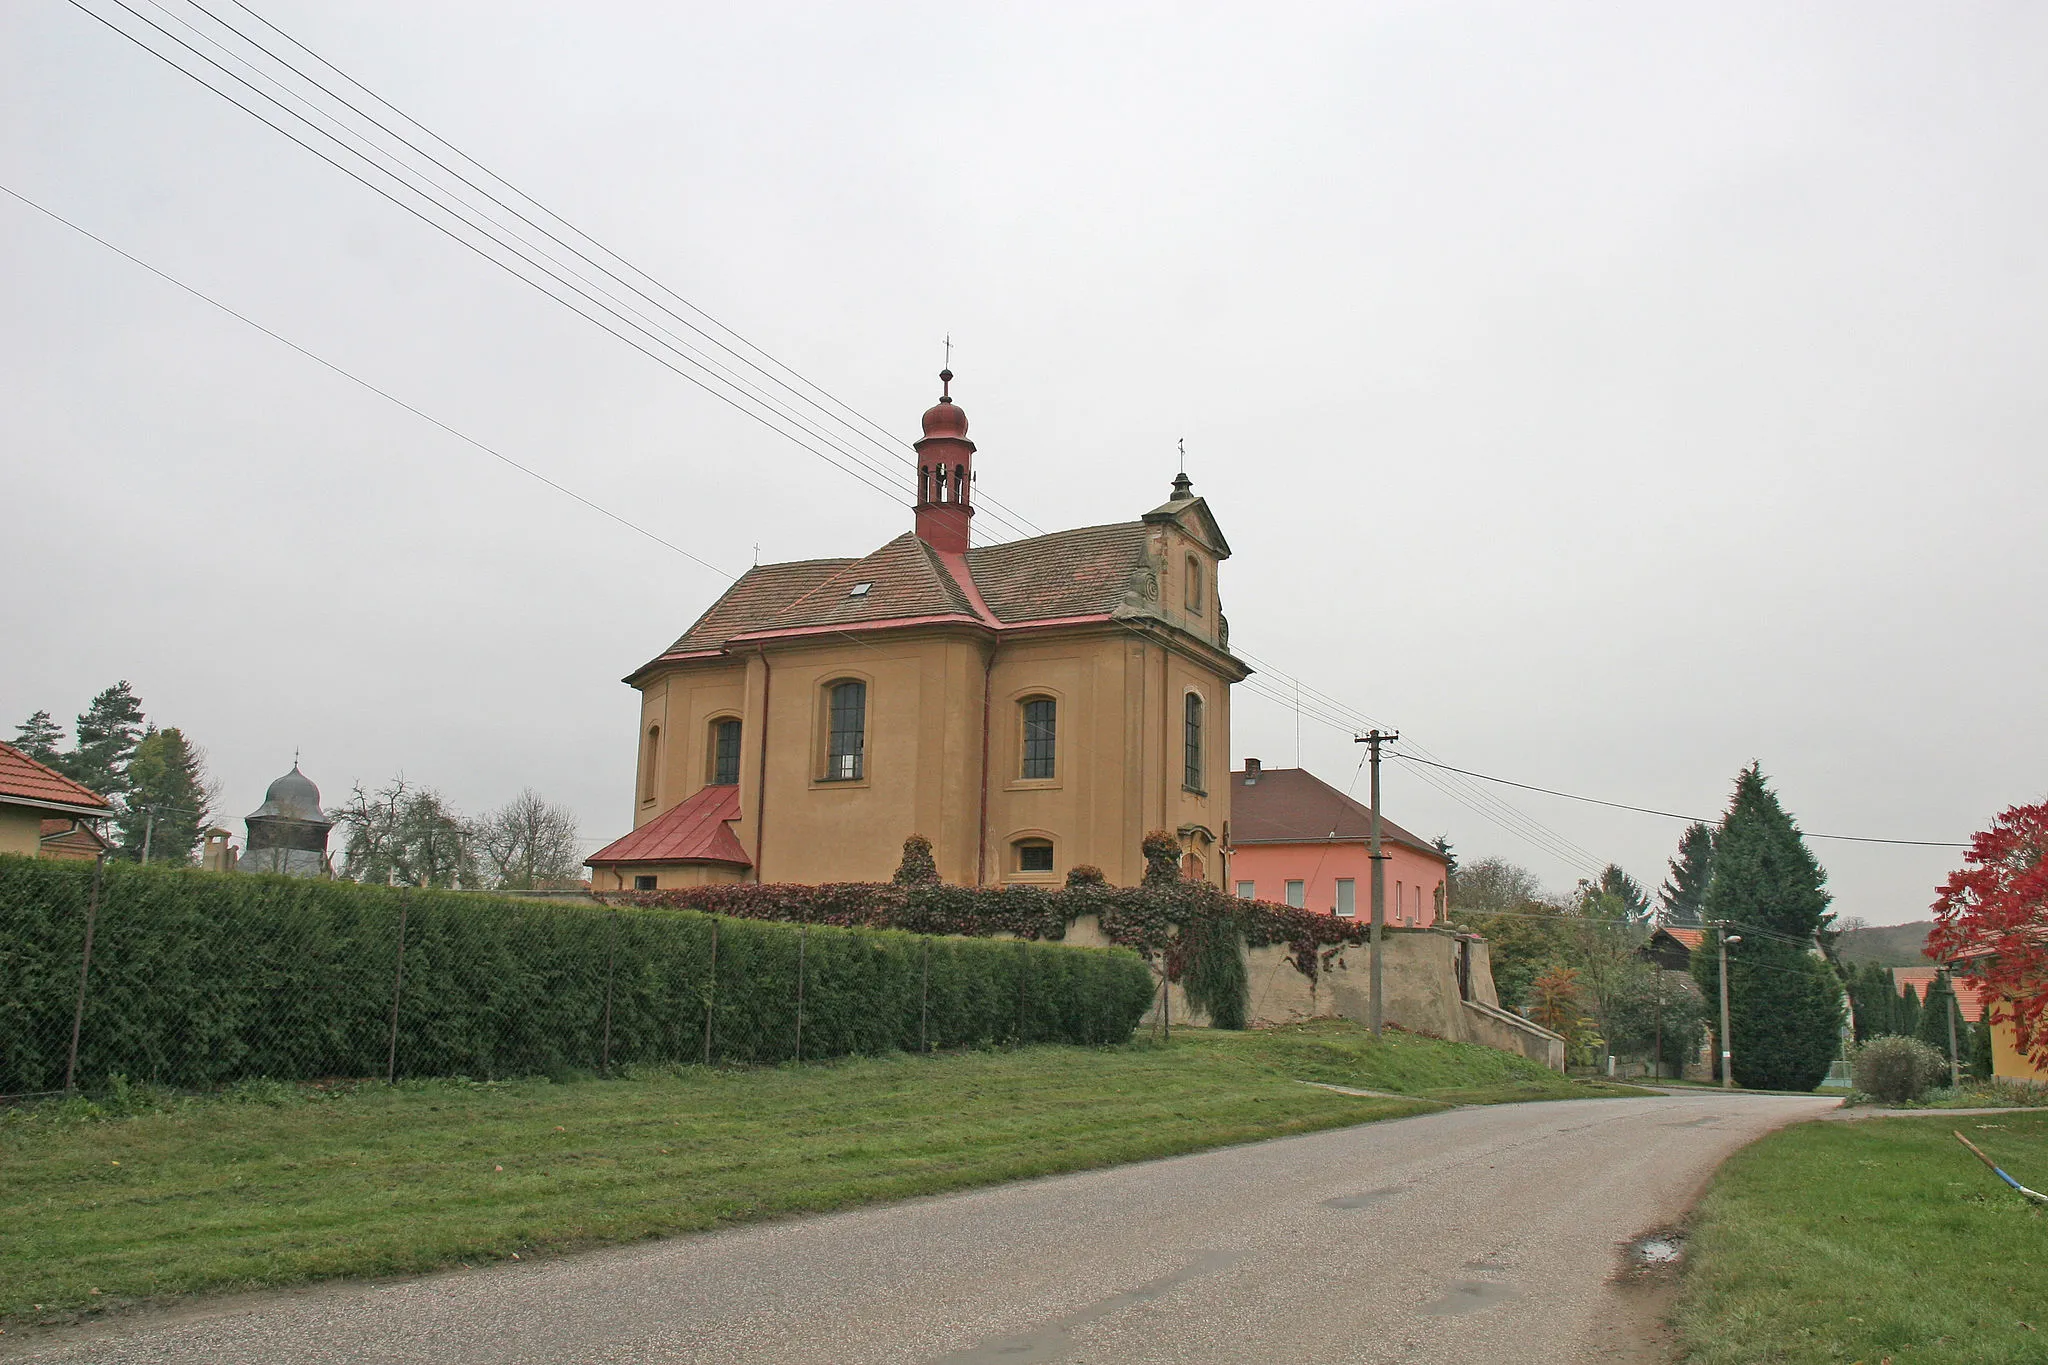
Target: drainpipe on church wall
{"points": [[761, 778], [988, 671]]}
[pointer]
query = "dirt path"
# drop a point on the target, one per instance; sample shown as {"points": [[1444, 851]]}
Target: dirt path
{"points": [[1475, 1235]]}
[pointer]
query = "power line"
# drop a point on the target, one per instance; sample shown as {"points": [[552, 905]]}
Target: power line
{"points": [[537, 261], [358, 380], [745, 395], [1673, 815]]}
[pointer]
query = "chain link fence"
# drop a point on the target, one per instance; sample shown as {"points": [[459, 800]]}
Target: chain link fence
{"points": [[192, 979]]}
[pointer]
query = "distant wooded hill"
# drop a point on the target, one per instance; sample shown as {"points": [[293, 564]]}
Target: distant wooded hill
{"points": [[1887, 945]]}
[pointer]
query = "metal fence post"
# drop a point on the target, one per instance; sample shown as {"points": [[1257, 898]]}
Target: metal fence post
{"points": [[924, 1001], [803, 936], [397, 987], [611, 955], [710, 991], [92, 912]]}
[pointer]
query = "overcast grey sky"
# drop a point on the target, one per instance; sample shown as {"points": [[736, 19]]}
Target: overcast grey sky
{"points": [[1605, 395]]}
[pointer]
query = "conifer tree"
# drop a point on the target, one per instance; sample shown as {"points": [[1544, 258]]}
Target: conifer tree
{"points": [[1785, 1002], [107, 735], [1906, 1012], [1932, 1028], [1684, 893], [1625, 892], [168, 803], [38, 737]]}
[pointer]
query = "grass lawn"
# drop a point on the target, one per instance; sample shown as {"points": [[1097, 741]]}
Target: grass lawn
{"points": [[1873, 1240], [272, 1185]]}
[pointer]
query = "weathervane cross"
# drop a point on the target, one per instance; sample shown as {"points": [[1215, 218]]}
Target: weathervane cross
{"points": [[949, 350]]}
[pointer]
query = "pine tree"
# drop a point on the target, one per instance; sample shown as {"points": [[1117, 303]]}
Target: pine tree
{"points": [[1906, 1012], [1626, 892], [107, 735], [1785, 1003], [1684, 894], [1932, 1028], [168, 802], [38, 737]]}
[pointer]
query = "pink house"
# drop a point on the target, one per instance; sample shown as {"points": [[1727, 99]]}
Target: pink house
{"points": [[1297, 840]]}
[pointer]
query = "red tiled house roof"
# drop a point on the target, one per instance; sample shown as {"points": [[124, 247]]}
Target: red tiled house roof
{"points": [[696, 831], [1294, 806], [1691, 938], [25, 782], [1970, 995]]}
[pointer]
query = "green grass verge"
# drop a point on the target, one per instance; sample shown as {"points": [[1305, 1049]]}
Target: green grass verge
{"points": [[1879, 1239], [146, 1196]]}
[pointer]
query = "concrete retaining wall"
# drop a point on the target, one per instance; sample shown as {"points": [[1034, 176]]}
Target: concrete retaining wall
{"points": [[1421, 972]]}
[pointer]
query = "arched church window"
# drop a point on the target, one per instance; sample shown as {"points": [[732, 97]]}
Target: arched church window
{"points": [[650, 764], [1195, 585], [846, 730], [725, 752], [1033, 855], [1040, 741], [1192, 745]]}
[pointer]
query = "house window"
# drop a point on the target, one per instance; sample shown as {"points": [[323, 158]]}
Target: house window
{"points": [[1034, 855], [725, 753], [1399, 902], [1040, 716], [1194, 585], [1192, 778], [846, 731], [650, 763], [1247, 891], [644, 882], [1297, 894], [1347, 897]]}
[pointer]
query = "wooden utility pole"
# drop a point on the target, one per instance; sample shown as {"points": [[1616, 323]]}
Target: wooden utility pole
{"points": [[1727, 1051], [1374, 739]]}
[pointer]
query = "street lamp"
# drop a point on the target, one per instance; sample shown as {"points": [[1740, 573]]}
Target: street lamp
{"points": [[1727, 1052]]}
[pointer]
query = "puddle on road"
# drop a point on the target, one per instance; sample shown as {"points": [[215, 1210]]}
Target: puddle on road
{"points": [[1660, 1249], [1470, 1296]]}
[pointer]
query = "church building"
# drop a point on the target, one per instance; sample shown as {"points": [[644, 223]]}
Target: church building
{"points": [[1029, 707]]}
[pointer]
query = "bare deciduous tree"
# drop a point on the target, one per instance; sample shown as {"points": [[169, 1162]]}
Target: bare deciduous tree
{"points": [[404, 835], [529, 842]]}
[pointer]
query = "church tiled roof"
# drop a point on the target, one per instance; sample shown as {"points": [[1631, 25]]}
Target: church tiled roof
{"points": [[903, 579], [753, 600], [1079, 573], [1082, 572]]}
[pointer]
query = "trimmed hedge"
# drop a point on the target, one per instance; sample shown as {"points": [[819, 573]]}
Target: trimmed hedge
{"points": [[202, 978]]}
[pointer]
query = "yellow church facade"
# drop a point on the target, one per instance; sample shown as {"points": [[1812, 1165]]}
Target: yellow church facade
{"points": [[1029, 707]]}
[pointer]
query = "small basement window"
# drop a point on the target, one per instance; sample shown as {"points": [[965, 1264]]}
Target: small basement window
{"points": [[644, 882], [859, 590], [1034, 855]]}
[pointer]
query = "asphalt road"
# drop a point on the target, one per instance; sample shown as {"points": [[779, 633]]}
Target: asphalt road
{"points": [[1476, 1235]]}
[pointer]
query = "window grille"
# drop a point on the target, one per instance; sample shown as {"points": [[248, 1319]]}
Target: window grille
{"points": [[725, 753], [1039, 724], [1193, 777], [1034, 855], [846, 738], [643, 882]]}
